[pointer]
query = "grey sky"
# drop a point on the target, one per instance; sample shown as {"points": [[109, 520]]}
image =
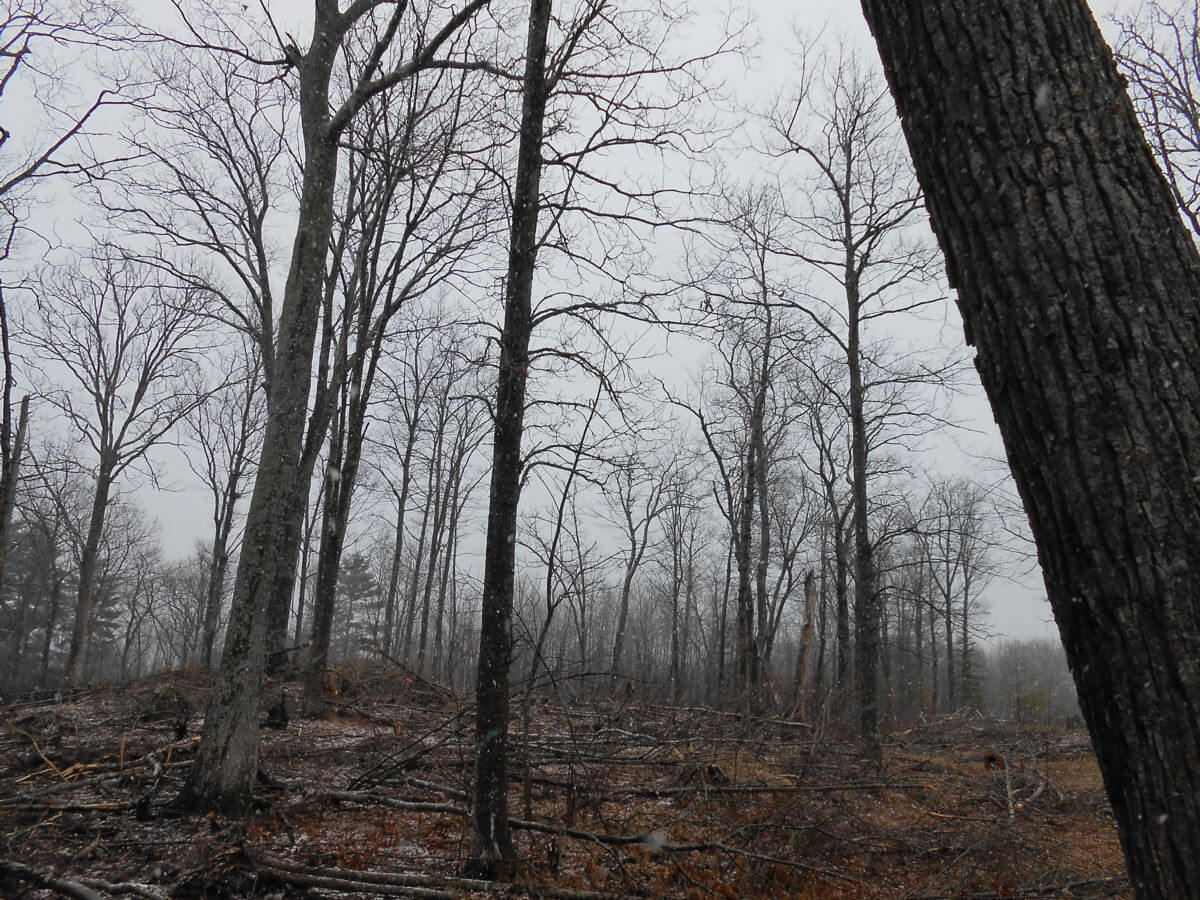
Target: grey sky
{"points": [[1016, 607]]}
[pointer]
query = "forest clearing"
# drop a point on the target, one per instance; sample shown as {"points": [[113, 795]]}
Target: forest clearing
{"points": [[609, 799], [587, 448]]}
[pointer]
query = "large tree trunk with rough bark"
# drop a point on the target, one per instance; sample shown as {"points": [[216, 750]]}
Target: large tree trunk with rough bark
{"points": [[1077, 283], [491, 837], [223, 774]]}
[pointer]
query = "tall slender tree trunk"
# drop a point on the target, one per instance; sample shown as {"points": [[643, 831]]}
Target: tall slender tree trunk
{"points": [[77, 659], [492, 844], [800, 680], [441, 488], [723, 628], [689, 607], [447, 560], [758, 441], [618, 650], [841, 593], [964, 649], [676, 587], [389, 615], [10, 471], [919, 645], [747, 650], [51, 616], [933, 661], [818, 681], [951, 681], [867, 612], [310, 522], [414, 580], [1077, 283], [213, 593], [325, 594], [345, 457], [20, 633]]}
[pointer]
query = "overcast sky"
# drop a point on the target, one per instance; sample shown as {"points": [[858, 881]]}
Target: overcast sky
{"points": [[1017, 608]]}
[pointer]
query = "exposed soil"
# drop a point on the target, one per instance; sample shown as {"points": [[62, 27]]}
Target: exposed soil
{"points": [[609, 800]]}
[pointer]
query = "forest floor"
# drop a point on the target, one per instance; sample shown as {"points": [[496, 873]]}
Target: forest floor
{"points": [[607, 799]]}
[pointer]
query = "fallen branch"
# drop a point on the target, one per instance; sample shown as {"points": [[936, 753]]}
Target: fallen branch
{"points": [[406, 884], [47, 879], [757, 789], [126, 887]]}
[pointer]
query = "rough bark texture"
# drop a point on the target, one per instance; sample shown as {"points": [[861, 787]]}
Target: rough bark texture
{"points": [[1078, 283], [222, 776], [491, 837]]}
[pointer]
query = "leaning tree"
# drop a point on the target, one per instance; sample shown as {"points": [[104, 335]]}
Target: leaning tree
{"points": [[1077, 282]]}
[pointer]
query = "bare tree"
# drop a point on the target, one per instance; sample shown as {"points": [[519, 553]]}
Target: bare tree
{"points": [[491, 837], [127, 347], [636, 496], [860, 215], [744, 271], [223, 774], [417, 212], [593, 93], [954, 530], [28, 28]]}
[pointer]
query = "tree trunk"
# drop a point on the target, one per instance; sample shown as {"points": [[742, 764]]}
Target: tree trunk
{"points": [[1077, 283], [747, 651], [441, 489], [213, 591], [456, 505], [414, 580], [866, 596], [618, 650], [222, 776], [676, 586], [20, 632], [919, 644], [77, 660], [951, 683], [310, 521], [758, 447], [964, 650], [723, 627], [841, 592], [329, 554], [51, 616], [389, 616], [491, 837], [800, 681], [818, 680], [933, 662], [10, 477]]}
